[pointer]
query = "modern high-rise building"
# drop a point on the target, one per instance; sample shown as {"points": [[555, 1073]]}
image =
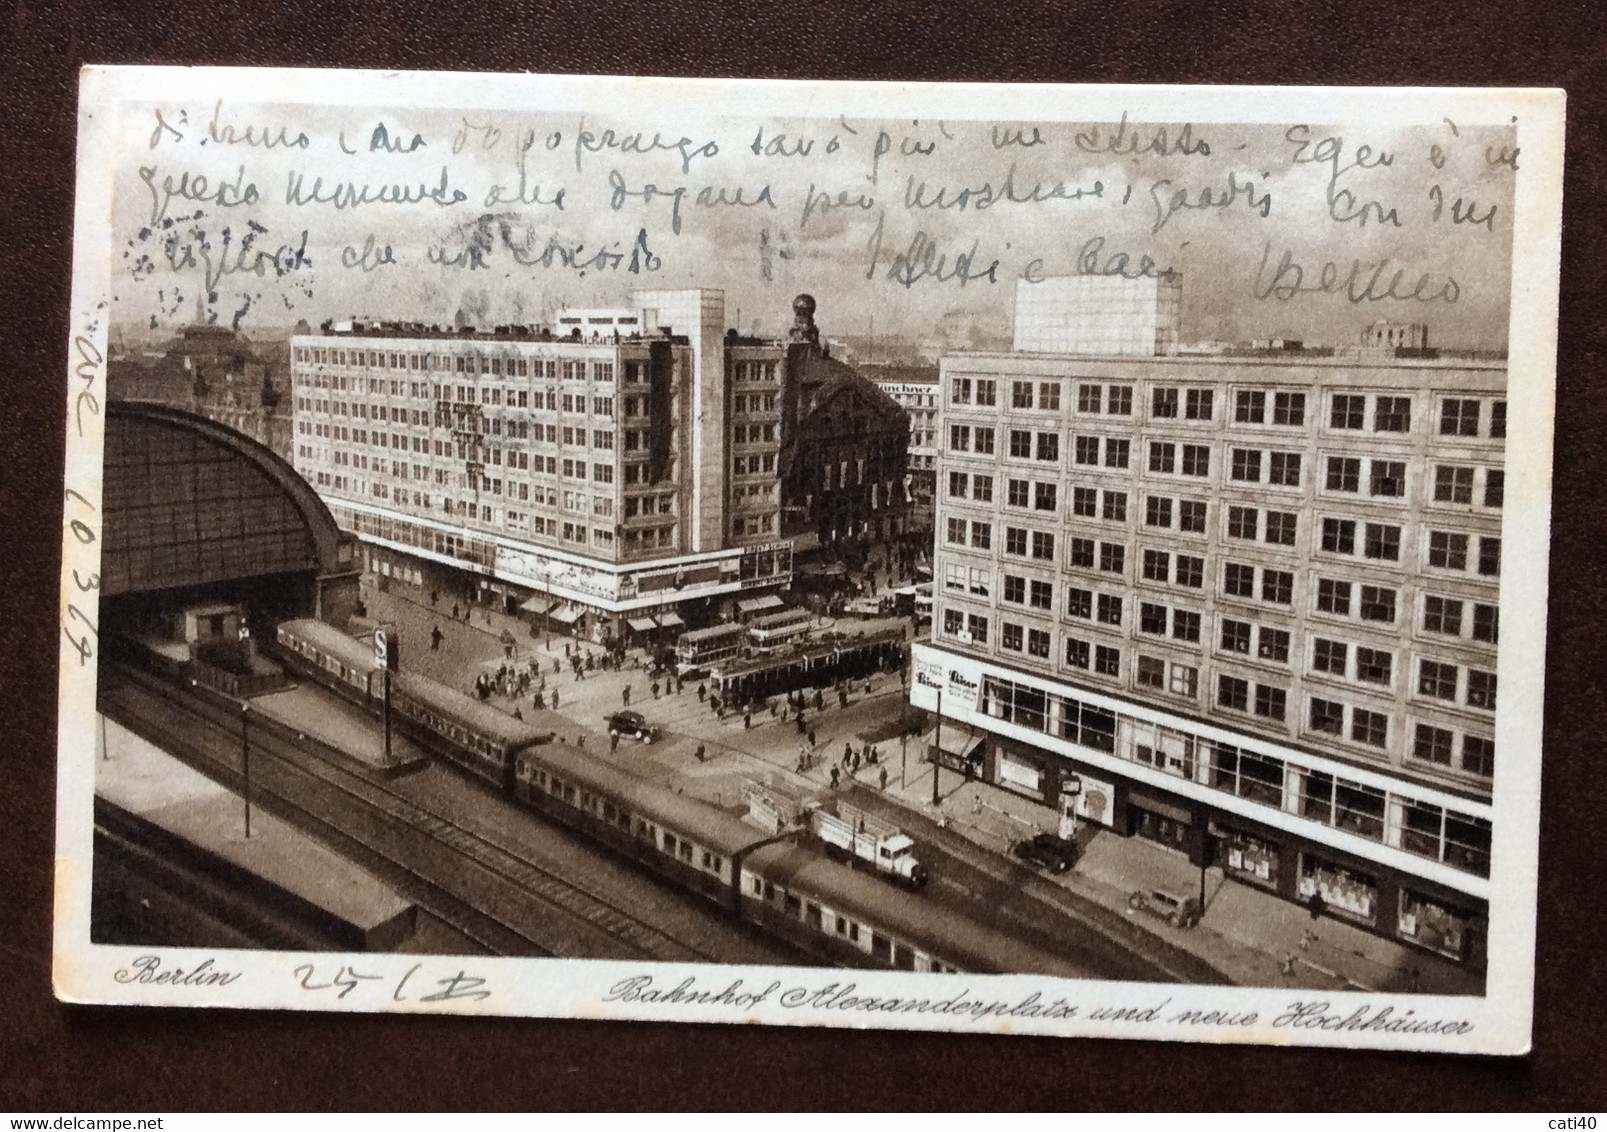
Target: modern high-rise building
{"points": [[1243, 605], [622, 475]]}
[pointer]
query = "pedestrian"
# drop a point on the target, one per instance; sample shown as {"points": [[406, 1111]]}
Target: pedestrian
{"points": [[556, 667], [820, 700], [811, 737], [566, 648], [848, 752], [580, 742], [613, 741], [626, 695], [976, 804], [517, 714], [435, 638], [801, 726], [454, 611], [1316, 906], [842, 697], [834, 778], [654, 689], [884, 779], [701, 692], [747, 720], [701, 752], [539, 702], [434, 596], [555, 699]]}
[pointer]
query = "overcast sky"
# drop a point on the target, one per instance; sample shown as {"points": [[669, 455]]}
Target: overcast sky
{"points": [[1270, 193]]}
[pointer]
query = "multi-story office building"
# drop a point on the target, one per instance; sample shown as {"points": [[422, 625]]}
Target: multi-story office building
{"points": [[587, 469], [915, 389], [1245, 606]]}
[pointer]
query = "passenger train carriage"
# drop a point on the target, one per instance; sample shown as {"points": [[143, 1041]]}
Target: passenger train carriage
{"points": [[789, 890]]}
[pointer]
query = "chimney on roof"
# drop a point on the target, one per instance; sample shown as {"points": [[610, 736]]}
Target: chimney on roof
{"points": [[804, 330]]}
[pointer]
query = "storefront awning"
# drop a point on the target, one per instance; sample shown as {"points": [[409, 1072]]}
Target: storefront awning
{"points": [[642, 624], [1165, 809], [568, 614], [670, 620], [957, 741], [759, 604], [539, 603]]}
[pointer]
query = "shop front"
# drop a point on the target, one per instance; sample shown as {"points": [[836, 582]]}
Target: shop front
{"points": [[1246, 856], [1433, 925], [1345, 892], [1162, 822]]}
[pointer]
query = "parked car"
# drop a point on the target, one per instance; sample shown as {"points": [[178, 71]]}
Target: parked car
{"points": [[1179, 911], [1047, 852], [631, 725]]}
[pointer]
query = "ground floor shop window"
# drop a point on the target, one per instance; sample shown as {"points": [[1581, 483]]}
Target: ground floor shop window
{"points": [[1350, 893], [1160, 829], [1247, 857], [1432, 925]]}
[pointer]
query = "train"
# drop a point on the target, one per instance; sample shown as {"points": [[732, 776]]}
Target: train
{"points": [[785, 888]]}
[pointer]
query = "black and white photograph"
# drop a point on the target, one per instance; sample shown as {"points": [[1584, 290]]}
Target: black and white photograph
{"points": [[1019, 559]]}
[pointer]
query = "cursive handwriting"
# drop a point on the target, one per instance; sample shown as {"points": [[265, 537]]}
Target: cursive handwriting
{"points": [[1360, 283], [1127, 141], [148, 969], [349, 194]]}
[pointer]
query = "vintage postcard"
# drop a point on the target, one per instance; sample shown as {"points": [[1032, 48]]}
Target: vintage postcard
{"points": [[1014, 559]]}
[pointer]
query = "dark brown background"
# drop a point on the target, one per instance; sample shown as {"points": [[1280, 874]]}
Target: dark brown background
{"points": [[59, 1058]]}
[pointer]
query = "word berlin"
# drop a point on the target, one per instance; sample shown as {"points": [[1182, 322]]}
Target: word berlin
{"points": [[833, 996]]}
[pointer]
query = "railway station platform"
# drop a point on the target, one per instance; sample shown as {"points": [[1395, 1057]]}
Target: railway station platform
{"points": [[343, 728], [184, 835]]}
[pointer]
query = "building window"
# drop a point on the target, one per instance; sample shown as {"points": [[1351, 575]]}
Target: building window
{"points": [[1107, 661], [1076, 653], [1049, 395], [1085, 502], [1498, 420], [1085, 450], [982, 535], [1349, 411], [1010, 637], [1238, 580], [1333, 597], [959, 486], [987, 391], [1151, 672], [1344, 473], [984, 441], [1038, 643], [1120, 401], [1374, 666], [1442, 615], [1270, 702], [1377, 604], [1486, 623], [1082, 553], [1433, 744], [1020, 444], [1447, 550], [1162, 456], [1250, 407], [1015, 589], [1190, 571], [1494, 487], [981, 486], [1191, 516], [1277, 586], [1116, 506], [1383, 541], [1196, 460], [978, 627], [1236, 636], [1246, 465], [1459, 418], [1021, 395], [1015, 541], [1043, 496], [1330, 656], [1163, 404], [1157, 565], [959, 438], [1392, 414], [1043, 595], [1116, 453], [1152, 618], [1274, 645], [1049, 447], [1281, 528], [1490, 556], [1437, 680], [1112, 555], [1481, 689], [1197, 404], [955, 528], [1233, 692], [1284, 469], [1016, 493], [1243, 522], [953, 621], [1110, 609], [1079, 603], [1289, 409], [1339, 536], [1185, 680], [1388, 479], [1157, 510], [1452, 484], [1478, 755], [1088, 398], [1369, 727], [1185, 625], [1327, 717], [959, 390]]}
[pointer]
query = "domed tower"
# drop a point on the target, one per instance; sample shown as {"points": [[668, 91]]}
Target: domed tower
{"points": [[804, 330]]}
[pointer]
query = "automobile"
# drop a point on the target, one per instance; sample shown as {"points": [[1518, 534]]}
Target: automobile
{"points": [[867, 607], [1179, 911], [1047, 852], [631, 725]]}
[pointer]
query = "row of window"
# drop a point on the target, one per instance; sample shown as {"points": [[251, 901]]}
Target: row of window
{"points": [[569, 369], [1391, 413]]}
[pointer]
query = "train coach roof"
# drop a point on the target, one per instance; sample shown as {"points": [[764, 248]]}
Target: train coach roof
{"points": [[965, 942], [708, 825], [482, 718], [444, 701]]}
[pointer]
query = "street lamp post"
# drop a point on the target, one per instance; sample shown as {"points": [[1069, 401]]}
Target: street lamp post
{"points": [[937, 746], [245, 759]]}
